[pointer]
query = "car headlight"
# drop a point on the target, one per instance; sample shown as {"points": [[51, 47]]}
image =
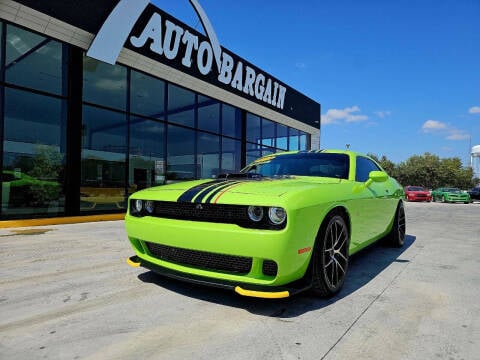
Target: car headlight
{"points": [[138, 205], [150, 206], [277, 215], [255, 213]]}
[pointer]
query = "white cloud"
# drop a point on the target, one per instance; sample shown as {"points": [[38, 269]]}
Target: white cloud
{"points": [[433, 125], [458, 135], [440, 128], [383, 114], [333, 116], [474, 110]]}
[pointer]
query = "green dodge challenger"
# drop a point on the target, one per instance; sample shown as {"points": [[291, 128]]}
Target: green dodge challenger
{"points": [[286, 223]]}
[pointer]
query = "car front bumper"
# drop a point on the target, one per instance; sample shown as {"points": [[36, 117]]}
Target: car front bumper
{"points": [[190, 245], [250, 290]]}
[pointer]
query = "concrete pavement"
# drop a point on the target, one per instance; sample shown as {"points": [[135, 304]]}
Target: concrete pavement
{"points": [[67, 293]]}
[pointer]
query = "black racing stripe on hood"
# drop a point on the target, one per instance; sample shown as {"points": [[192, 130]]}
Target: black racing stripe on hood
{"points": [[188, 195], [212, 195], [217, 189]]}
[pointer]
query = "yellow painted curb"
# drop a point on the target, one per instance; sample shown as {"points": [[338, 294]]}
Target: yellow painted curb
{"points": [[60, 220]]}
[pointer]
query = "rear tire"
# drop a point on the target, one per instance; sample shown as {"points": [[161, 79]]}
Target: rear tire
{"points": [[396, 237], [330, 257]]}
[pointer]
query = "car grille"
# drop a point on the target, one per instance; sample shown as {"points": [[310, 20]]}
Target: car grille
{"points": [[200, 212], [201, 259], [459, 197], [269, 268], [207, 212]]}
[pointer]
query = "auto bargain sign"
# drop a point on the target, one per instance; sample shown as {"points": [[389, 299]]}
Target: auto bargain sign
{"points": [[142, 27]]}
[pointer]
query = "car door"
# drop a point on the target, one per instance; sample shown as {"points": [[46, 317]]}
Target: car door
{"points": [[373, 204]]}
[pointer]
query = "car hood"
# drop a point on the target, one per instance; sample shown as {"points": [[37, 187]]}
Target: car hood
{"points": [[234, 190], [418, 192]]}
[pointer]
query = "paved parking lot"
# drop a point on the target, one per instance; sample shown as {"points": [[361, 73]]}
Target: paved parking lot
{"points": [[67, 293]]}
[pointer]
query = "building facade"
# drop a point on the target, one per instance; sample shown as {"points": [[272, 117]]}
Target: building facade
{"points": [[85, 124]]}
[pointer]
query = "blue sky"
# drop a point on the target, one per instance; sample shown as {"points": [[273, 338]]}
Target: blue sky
{"points": [[394, 78]]}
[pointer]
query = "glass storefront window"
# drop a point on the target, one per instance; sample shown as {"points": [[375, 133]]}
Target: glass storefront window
{"points": [[231, 150], [268, 133], [208, 114], [104, 143], [33, 159], [180, 154], [33, 61], [254, 151], [293, 139], [208, 155], [303, 141], [104, 84], [282, 137], [147, 163], [231, 121], [147, 96], [181, 106], [253, 128]]}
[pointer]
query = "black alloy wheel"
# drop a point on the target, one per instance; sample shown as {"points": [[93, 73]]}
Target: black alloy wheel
{"points": [[330, 257], [396, 237]]}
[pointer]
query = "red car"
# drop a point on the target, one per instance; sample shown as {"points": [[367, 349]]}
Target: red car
{"points": [[417, 193]]}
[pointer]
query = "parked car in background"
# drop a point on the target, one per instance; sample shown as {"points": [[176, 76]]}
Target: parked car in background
{"points": [[417, 193], [450, 195], [474, 193]]}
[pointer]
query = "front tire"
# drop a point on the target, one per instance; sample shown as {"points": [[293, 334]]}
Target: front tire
{"points": [[330, 257], [396, 237]]}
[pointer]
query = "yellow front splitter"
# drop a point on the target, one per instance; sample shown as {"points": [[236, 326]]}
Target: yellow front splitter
{"points": [[262, 294], [131, 261], [135, 261]]}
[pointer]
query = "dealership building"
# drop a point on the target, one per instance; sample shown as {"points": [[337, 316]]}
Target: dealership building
{"points": [[100, 98]]}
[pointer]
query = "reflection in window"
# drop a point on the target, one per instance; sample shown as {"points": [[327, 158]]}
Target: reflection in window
{"points": [[303, 140], [181, 154], [104, 84], [33, 158], [282, 137], [254, 151], [147, 163], [147, 96], [231, 150], [33, 61], [231, 121], [208, 114], [253, 128], [104, 135], [181, 105], [268, 133], [293, 139], [208, 155]]}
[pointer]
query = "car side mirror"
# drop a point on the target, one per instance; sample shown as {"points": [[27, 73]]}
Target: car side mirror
{"points": [[376, 176]]}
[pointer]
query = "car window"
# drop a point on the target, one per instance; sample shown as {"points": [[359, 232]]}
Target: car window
{"points": [[364, 166], [302, 164], [415, 188]]}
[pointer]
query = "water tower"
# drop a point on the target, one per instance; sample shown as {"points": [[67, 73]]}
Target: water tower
{"points": [[475, 160]]}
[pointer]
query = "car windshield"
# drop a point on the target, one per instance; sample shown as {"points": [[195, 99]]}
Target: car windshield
{"points": [[301, 164], [451, 190], [415, 188]]}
